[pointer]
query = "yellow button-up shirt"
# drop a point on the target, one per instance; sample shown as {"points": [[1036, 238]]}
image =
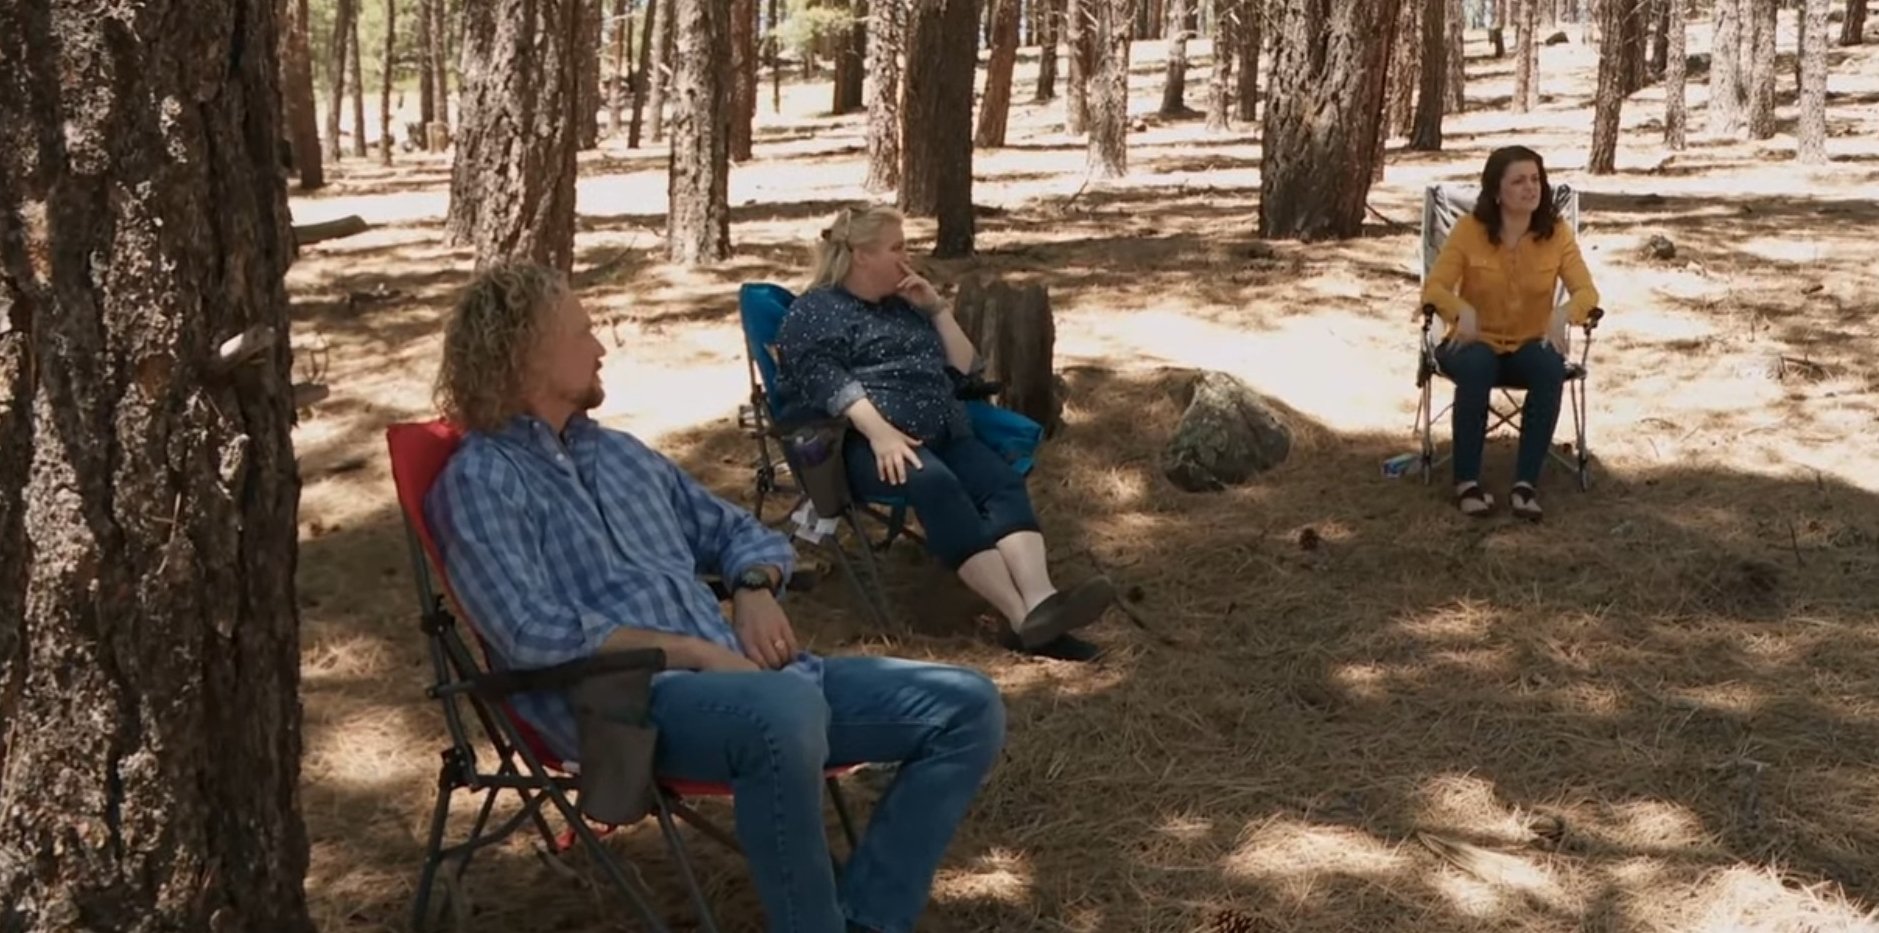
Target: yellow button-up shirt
{"points": [[1511, 291]]}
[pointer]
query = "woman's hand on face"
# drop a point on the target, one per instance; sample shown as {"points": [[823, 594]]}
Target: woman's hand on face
{"points": [[917, 290]]}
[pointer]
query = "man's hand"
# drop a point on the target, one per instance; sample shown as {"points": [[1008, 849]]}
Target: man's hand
{"points": [[763, 629], [726, 661]]}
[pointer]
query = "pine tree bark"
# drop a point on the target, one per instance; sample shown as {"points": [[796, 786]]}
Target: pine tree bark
{"points": [[995, 105], [1174, 87], [936, 155], [1320, 137], [698, 220], [388, 73], [851, 61], [1676, 59], [512, 182], [427, 105], [1853, 27], [622, 80], [1726, 113], [743, 78], [662, 71], [337, 68], [1526, 56], [587, 119], [1812, 131], [883, 92], [1610, 98], [1636, 45], [1399, 107], [1454, 91], [1249, 31], [1220, 82], [1109, 89], [1761, 90], [1660, 36], [1428, 130], [150, 729], [1050, 27], [301, 112], [440, 65], [647, 67], [358, 86], [1015, 333], [1497, 29], [1076, 31]]}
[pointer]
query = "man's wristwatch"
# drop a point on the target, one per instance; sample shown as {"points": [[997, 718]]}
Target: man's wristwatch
{"points": [[754, 578]]}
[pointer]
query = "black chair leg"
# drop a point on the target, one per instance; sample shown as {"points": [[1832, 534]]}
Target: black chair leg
{"points": [[676, 845], [434, 848]]}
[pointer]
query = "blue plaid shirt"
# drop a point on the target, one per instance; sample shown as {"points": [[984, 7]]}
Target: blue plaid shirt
{"points": [[551, 546]]}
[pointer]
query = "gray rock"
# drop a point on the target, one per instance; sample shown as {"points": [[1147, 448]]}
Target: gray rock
{"points": [[1227, 435]]}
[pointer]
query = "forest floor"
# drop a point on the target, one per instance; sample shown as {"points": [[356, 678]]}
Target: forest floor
{"points": [[1351, 708]]}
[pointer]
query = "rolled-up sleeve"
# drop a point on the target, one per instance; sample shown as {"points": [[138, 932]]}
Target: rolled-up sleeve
{"points": [[815, 348]]}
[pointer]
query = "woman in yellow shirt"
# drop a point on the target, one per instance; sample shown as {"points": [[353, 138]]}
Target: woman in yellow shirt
{"points": [[1494, 283]]}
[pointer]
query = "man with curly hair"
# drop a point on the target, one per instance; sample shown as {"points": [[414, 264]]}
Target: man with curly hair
{"points": [[563, 539]]}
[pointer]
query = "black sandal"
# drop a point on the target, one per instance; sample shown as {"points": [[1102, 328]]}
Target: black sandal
{"points": [[1525, 502], [1474, 502]]}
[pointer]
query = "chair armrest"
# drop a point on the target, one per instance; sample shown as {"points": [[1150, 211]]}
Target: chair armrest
{"points": [[1592, 318], [495, 685]]}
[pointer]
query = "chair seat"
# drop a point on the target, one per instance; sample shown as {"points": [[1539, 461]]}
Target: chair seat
{"points": [[1574, 372], [685, 788]]}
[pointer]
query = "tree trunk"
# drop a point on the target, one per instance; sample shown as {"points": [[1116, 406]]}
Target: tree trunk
{"points": [[1497, 28], [1399, 106], [340, 42], [1454, 90], [512, 182], [851, 61], [995, 106], [302, 114], [1636, 44], [643, 73], [587, 117], [662, 72], [698, 219], [1174, 88], [743, 78], [440, 64], [149, 641], [421, 16], [1853, 28], [936, 160], [1676, 111], [1812, 131], [1526, 56], [356, 70], [1611, 94], [1250, 36], [883, 92], [1050, 22], [1428, 130], [389, 72], [1660, 37], [617, 90], [1014, 331], [1076, 30], [1726, 110], [1761, 92], [1220, 83], [1321, 130], [1109, 89]]}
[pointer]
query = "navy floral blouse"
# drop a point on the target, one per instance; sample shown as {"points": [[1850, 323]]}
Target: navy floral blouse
{"points": [[835, 349]]}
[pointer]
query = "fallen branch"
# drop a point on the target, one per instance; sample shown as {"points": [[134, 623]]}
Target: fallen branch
{"points": [[308, 394], [305, 234], [1123, 603], [1379, 215], [242, 348]]}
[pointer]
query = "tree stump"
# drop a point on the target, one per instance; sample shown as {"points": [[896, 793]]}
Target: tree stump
{"points": [[1227, 435], [1012, 327], [438, 136]]}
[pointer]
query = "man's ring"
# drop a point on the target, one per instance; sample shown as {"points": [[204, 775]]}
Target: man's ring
{"points": [[780, 643]]}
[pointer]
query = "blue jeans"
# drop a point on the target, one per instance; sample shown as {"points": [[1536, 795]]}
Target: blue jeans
{"points": [[771, 734], [1476, 370], [965, 495]]}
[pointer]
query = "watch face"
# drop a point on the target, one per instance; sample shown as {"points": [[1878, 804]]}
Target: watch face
{"points": [[753, 579]]}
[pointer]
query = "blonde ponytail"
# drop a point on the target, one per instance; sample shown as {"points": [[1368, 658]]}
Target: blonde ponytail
{"points": [[850, 228]]}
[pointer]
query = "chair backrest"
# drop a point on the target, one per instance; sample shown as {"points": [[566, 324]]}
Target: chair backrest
{"points": [[761, 307], [1444, 205]]}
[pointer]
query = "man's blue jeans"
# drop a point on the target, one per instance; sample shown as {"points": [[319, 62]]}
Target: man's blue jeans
{"points": [[1476, 370], [771, 734]]}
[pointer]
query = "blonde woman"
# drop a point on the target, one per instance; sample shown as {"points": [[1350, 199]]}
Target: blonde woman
{"points": [[871, 341]]}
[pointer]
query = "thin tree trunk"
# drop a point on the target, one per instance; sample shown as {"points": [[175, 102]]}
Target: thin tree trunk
{"points": [[1174, 88], [1497, 28], [643, 73], [883, 92], [1399, 107], [1320, 136], [427, 105], [1611, 95], [337, 45], [1726, 110], [1761, 94], [851, 59], [1220, 83], [698, 220], [1250, 36], [1109, 90], [1455, 89], [773, 50], [1636, 45], [302, 113], [936, 158], [440, 61], [1076, 30], [622, 43], [358, 85], [1428, 130], [1526, 56], [587, 121], [1050, 22], [1660, 36], [662, 71], [389, 72], [1853, 27], [1812, 131], [995, 106], [512, 182], [1676, 110], [149, 641], [743, 77]]}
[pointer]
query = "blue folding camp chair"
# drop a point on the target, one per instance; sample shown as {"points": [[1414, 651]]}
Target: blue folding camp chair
{"points": [[1442, 206], [772, 414]]}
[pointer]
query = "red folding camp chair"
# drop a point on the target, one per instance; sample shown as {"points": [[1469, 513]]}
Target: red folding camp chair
{"points": [[525, 764]]}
